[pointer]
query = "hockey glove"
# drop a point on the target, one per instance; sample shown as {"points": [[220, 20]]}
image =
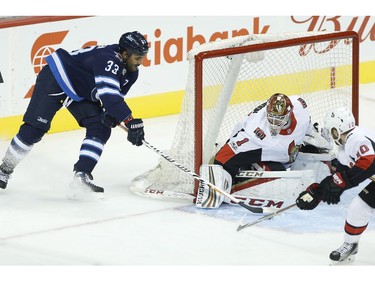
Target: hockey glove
{"points": [[107, 120], [333, 186], [136, 133], [310, 198], [316, 137]]}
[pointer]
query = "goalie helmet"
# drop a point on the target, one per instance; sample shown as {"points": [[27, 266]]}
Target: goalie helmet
{"points": [[134, 42], [338, 122], [278, 111]]}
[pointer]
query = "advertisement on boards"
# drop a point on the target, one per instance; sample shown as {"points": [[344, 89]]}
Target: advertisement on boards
{"points": [[165, 69]]}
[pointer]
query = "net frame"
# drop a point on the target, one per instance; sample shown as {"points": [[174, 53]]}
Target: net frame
{"points": [[200, 57], [203, 53]]}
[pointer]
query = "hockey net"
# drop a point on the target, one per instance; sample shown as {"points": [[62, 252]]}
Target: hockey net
{"points": [[228, 78]]}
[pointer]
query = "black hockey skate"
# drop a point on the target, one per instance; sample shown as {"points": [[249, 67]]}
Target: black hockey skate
{"points": [[345, 254], [4, 177], [82, 186]]}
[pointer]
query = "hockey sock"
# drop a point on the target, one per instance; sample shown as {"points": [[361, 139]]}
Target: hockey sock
{"points": [[90, 152], [16, 152]]}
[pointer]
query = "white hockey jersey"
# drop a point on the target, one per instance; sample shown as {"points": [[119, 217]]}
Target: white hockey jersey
{"points": [[358, 154], [253, 133]]}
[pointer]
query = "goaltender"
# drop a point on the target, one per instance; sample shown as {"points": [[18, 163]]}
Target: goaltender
{"points": [[268, 139]]}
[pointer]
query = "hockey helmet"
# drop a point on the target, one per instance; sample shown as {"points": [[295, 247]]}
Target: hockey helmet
{"points": [[134, 42], [278, 111], [338, 122]]}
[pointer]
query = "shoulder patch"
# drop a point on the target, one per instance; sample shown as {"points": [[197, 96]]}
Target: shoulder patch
{"points": [[259, 107], [118, 56], [259, 133], [302, 101]]}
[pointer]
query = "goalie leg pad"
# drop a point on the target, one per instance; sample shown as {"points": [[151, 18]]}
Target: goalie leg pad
{"points": [[275, 188], [207, 197]]}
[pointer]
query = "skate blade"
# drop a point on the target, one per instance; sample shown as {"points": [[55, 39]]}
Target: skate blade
{"points": [[346, 261]]}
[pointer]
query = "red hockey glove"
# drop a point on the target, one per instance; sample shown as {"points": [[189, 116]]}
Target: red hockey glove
{"points": [[333, 186], [310, 198]]}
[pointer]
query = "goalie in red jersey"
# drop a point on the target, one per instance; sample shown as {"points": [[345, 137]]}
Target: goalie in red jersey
{"points": [[355, 164]]}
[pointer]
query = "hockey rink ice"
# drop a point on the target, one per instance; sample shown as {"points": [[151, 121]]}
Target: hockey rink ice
{"points": [[39, 226]]}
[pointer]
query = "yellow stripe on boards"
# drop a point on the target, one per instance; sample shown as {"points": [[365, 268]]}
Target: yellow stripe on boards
{"points": [[142, 107], [170, 103]]}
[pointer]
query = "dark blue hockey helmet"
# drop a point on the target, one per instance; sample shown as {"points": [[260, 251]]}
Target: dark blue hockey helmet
{"points": [[134, 42]]}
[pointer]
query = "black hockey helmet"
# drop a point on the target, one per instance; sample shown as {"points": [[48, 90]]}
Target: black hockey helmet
{"points": [[134, 42]]}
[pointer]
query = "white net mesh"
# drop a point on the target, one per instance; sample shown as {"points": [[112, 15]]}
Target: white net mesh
{"points": [[320, 72]]}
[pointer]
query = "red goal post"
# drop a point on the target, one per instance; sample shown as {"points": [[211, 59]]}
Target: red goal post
{"points": [[228, 78]]}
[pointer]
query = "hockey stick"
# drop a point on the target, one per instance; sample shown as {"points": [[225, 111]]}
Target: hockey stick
{"points": [[273, 174], [197, 177], [266, 217], [157, 193], [151, 192]]}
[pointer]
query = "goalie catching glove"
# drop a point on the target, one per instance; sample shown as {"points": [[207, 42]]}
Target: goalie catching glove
{"points": [[318, 137], [310, 198], [207, 197], [136, 133]]}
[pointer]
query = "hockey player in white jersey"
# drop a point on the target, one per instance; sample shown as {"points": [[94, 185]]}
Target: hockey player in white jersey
{"points": [[268, 139], [355, 165]]}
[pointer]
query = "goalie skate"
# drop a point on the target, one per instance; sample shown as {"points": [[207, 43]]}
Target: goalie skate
{"points": [[344, 254]]}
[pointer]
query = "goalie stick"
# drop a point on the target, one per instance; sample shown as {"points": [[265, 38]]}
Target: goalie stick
{"points": [[274, 174], [251, 201], [266, 217], [252, 209]]}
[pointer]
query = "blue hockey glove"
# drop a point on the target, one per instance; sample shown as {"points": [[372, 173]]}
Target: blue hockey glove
{"points": [[136, 133]]}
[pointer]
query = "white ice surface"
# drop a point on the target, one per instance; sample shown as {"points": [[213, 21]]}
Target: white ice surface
{"points": [[40, 227]]}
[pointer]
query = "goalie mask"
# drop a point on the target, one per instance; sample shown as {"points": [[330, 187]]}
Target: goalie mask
{"points": [[279, 108], [338, 122]]}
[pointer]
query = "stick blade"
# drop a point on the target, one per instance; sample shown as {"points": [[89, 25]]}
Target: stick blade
{"points": [[256, 210], [240, 227], [246, 225], [266, 217]]}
